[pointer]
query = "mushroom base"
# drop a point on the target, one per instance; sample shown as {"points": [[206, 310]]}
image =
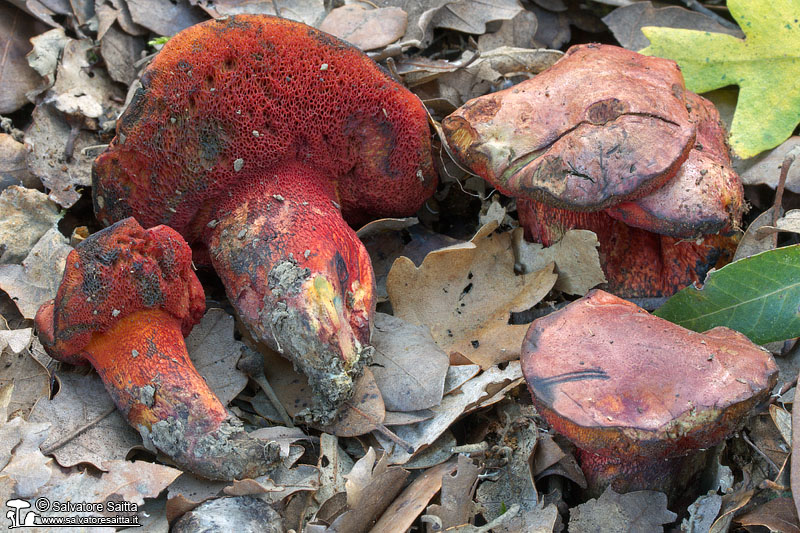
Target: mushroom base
{"points": [[672, 476], [299, 279], [637, 263], [146, 369]]}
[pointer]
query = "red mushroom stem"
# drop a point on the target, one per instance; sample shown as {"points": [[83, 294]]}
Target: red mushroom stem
{"points": [[298, 276]]}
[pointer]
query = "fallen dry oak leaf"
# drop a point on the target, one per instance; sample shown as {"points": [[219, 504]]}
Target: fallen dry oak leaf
{"points": [[453, 406], [400, 515], [368, 29], [27, 214], [456, 506], [22, 466], [575, 255], [644, 511], [214, 352], [371, 486], [123, 481], [16, 77], [86, 426], [466, 294], [188, 491], [30, 379], [13, 166], [409, 367], [36, 280]]}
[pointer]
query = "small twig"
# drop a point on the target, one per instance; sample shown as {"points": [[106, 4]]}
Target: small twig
{"points": [[386, 432], [72, 434], [252, 364], [759, 452], [777, 205]]}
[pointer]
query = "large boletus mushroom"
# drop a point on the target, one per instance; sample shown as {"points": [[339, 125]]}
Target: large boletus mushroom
{"points": [[638, 395], [260, 140], [609, 140]]}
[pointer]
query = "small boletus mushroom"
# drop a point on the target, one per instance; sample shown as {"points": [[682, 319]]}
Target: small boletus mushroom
{"points": [[259, 139], [607, 134], [127, 299], [638, 395]]}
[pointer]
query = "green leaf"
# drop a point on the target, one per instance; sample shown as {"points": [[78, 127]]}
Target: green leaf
{"points": [[758, 296], [765, 65]]}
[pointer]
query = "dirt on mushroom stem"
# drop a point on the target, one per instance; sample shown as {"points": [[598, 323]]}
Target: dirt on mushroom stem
{"points": [[299, 279]]}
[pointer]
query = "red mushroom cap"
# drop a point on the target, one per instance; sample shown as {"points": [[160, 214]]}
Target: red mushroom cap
{"points": [[620, 382], [602, 125], [228, 100], [705, 196], [114, 273]]}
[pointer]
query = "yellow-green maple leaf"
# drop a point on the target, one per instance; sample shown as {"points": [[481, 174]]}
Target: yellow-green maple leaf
{"points": [[765, 65]]}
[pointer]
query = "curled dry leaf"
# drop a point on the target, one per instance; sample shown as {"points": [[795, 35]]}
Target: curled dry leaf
{"points": [[754, 241], [468, 16], [386, 239], [27, 215], [776, 515], [368, 29], [517, 32], [36, 280], [120, 52], [789, 222], [466, 295], [86, 427], [408, 366], [188, 491], [333, 465], [702, 513], [16, 340], [82, 89]]}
